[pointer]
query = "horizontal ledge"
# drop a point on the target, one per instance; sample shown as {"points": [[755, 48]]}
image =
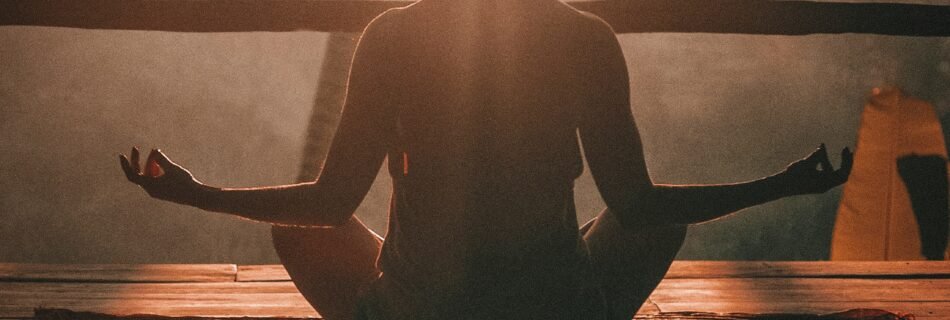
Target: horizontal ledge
{"points": [[682, 269], [679, 270], [810, 269], [644, 16], [117, 272]]}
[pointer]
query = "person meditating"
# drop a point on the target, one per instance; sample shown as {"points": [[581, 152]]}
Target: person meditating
{"points": [[481, 109]]}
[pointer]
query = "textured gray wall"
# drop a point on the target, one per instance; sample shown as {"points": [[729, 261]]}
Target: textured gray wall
{"points": [[233, 108]]}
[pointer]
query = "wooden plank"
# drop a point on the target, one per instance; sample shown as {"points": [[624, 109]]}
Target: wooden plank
{"points": [[936, 290], [124, 289], [209, 311], [807, 289], [263, 309], [816, 294], [771, 17], [59, 314], [732, 269], [715, 289], [186, 304], [808, 269], [118, 272], [740, 284], [747, 287], [196, 15], [824, 295], [708, 16], [266, 272], [205, 299], [921, 310], [845, 314], [56, 314], [782, 295], [268, 308]]}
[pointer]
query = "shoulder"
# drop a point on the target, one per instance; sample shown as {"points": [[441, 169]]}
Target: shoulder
{"points": [[591, 34], [595, 23], [382, 30], [386, 19], [589, 23], [600, 34]]}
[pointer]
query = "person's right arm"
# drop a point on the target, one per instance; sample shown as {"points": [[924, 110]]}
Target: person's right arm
{"points": [[614, 154]]}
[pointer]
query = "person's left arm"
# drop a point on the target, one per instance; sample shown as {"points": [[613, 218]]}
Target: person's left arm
{"points": [[353, 161]]}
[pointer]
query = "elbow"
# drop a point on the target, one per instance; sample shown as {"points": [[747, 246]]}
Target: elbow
{"points": [[628, 211], [647, 207], [323, 209], [339, 213]]}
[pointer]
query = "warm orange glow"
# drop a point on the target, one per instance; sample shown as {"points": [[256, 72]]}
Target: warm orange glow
{"points": [[875, 219]]}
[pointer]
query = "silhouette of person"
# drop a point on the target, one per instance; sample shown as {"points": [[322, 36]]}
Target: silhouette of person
{"points": [[477, 106]]}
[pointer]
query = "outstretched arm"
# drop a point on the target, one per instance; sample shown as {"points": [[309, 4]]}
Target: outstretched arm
{"points": [[353, 161], [324, 202], [614, 154], [684, 204]]}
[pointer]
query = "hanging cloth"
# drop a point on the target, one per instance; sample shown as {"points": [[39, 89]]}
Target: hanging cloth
{"points": [[876, 218]]}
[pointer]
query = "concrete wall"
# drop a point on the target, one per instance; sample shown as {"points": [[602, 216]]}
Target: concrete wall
{"points": [[233, 108]]}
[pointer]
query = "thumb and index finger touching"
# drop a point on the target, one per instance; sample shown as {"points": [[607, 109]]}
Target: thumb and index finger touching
{"points": [[818, 160], [837, 176], [155, 165]]}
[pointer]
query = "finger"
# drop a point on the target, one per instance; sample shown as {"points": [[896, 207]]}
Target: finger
{"points": [[163, 159], [808, 163], [135, 161], [127, 168], [813, 157], [823, 159], [152, 166], [847, 162]]}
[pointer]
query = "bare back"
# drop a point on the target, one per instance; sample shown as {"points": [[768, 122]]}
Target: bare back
{"points": [[484, 152]]}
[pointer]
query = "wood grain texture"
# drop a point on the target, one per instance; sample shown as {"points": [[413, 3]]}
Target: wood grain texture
{"points": [[118, 272], [706, 16], [58, 314], [267, 272], [204, 299], [809, 269], [679, 270], [716, 290], [920, 310]]}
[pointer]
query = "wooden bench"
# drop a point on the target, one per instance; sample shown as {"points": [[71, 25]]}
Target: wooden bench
{"points": [[225, 290]]}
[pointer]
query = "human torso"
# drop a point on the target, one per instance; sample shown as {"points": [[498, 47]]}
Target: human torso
{"points": [[485, 150]]}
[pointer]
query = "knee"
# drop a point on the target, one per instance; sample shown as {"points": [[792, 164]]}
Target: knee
{"points": [[345, 246], [677, 234], [678, 231]]}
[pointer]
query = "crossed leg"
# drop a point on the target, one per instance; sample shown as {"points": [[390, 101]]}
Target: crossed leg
{"points": [[329, 266], [630, 262]]}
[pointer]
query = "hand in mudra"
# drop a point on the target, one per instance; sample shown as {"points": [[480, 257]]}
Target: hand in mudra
{"points": [[161, 178], [814, 173]]}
